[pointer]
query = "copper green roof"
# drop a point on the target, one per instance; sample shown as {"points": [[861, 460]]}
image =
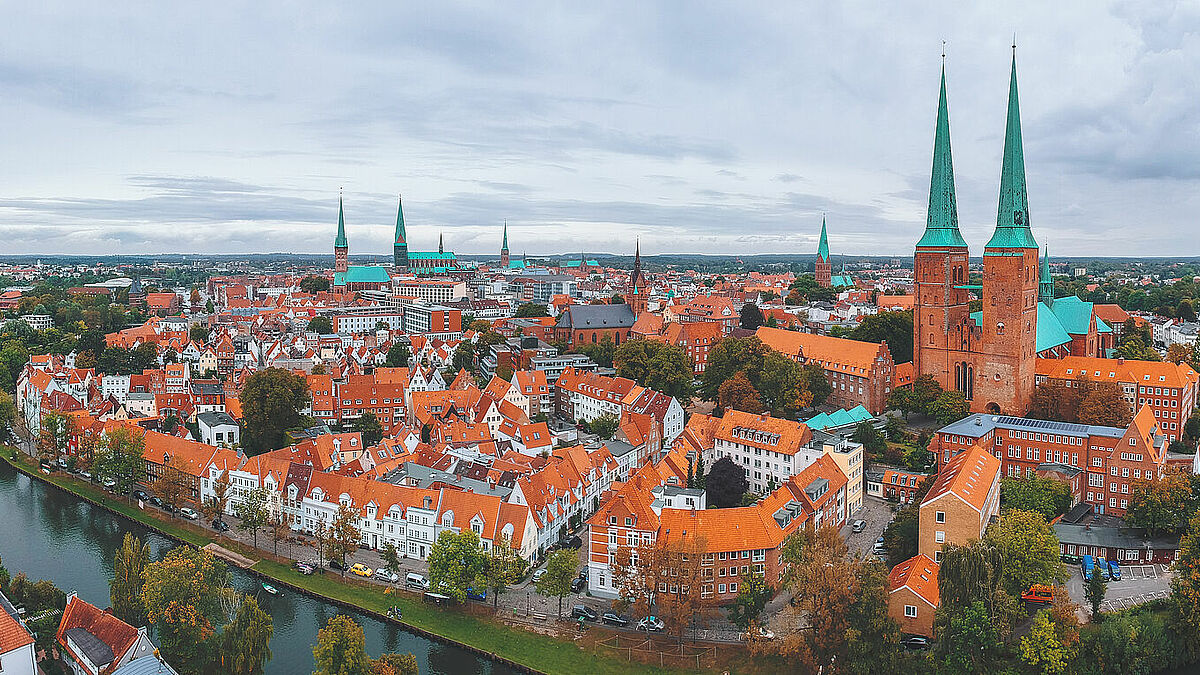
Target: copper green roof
{"points": [[1045, 283], [941, 222], [1050, 330], [401, 238], [504, 245], [340, 240], [1012, 214], [430, 255], [823, 246], [362, 274]]}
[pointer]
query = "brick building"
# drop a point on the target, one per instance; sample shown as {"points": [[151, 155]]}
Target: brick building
{"points": [[860, 373], [913, 595], [589, 324], [961, 503]]}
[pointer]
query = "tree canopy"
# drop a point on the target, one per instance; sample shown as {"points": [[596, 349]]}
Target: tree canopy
{"points": [[725, 483], [896, 328], [662, 367], [271, 403], [531, 310]]}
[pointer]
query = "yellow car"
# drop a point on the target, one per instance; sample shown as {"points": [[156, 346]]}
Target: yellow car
{"points": [[362, 570]]}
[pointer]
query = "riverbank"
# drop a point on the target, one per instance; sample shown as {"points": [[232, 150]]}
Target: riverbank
{"points": [[486, 636]]}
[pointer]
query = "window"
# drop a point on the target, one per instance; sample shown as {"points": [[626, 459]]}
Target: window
{"points": [[940, 516], [910, 611], [940, 537]]}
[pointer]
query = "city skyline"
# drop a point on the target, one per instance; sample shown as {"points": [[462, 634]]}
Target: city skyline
{"points": [[586, 131]]}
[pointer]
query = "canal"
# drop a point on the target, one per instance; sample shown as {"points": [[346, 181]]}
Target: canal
{"points": [[49, 534]]}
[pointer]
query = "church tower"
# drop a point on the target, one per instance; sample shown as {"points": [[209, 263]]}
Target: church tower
{"points": [[942, 331], [341, 249], [1045, 282], [504, 248], [639, 291], [824, 268], [400, 247], [1008, 329]]}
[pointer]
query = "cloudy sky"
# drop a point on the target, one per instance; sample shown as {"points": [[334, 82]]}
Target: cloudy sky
{"points": [[709, 128]]}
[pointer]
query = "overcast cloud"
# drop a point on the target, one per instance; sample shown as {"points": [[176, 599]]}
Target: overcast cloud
{"points": [[709, 128]]}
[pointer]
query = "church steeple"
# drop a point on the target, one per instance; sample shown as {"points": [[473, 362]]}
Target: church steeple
{"points": [[340, 240], [823, 246], [504, 247], [637, 297], [400, 247], [941, 221], [636, 276], [441, 249], [1012, 215], [1045, 283]]}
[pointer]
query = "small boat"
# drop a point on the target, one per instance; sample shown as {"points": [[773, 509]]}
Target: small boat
{"points": [[270, 589]]}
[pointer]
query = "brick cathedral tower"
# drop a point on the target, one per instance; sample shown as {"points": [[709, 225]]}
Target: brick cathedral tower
{"points": [[988, 356], [639, 291], [1010, 284], [400, 247], [824, 268], [341, 249], [504, 248], [941, 327]]}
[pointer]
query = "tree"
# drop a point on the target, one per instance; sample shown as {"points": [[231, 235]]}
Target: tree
{"points": [[119, 458], [970, 643], [368, 425], [457, 563], [344, 535], [170, 486], [246, 641], [751, 317], [391, 558], [398, 356], [504, 566], [926, 390], [1105, 405], [1162, 506], [1094, 591], [1048, 496], [605, 426], [320, 325], [271, 403], [1042, 650], [681, 566], [252, 511], [948, 407], [866, 433], [314, 284], [737, 393], [752, 597], [781, 383], [395, 664], [725, 483], [1185, 589], [816, 382], [129, 575], [657, 365], [280, 529], [531, 310], [806, 286], [1029, 548], [55, 435], [181, 596], [873, 641], [900, 536], [895, 328], [904, 400], [215, 506], [341, 648], [8, 415], [601, 352], [729, 356], [464, 357], [561, 569], [824, 582]]}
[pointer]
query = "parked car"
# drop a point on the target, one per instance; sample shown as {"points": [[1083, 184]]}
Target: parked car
{"points": [[584, 612], [1039, 594], [577, 584], [359, 569], [414, 580], [86, 475], [1114, 570], [651, 623], [1070, 559], [156, 501], [915, 643], [573, 542], [220, 526], [1102, 565], [614, 619], [858, 526], [337, 565], [537, 576], [189, 513], [109, 485], [305, 568], [763, 633], [384, 575], [473, 594], [141, 495]]}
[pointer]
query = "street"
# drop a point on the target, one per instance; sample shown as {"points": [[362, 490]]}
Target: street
{"points": [[877, 513]]}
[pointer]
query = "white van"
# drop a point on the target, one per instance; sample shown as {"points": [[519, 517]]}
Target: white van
{"points": [[414, 580]]}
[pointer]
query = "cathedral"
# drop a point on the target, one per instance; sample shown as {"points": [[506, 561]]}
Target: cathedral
{"points": [[989, 355], [347, 277]]}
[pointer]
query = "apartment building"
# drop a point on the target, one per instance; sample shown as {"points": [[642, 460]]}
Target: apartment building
{"points": [[961, 503], [913, 595], [860, 373]]}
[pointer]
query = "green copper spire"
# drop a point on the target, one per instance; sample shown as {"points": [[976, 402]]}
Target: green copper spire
{"points": [[401, 238], [1045, 283], [941, 222], [1012, 216], [823, 247], [504, 245], [340, 240]]}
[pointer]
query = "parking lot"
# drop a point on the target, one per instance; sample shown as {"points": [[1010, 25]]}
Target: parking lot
{"points": [[1139, 584], [877, 514]]}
